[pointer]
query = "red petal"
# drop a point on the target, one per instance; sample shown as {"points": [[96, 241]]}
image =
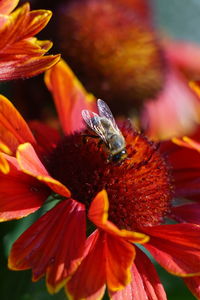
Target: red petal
{"points": [[31, 165], [145, 283], [47, 137], [98, 214], [193, 283], [89, 280], [108, 260], [69, 95], [185, 164], [175, 112], [20, 194], [13, 128], [52, 245], [189, 213], [176, 247]]}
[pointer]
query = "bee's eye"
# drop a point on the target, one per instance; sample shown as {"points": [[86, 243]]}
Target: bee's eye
{"points": [[119, 156], [123, 152], [116, 157]]}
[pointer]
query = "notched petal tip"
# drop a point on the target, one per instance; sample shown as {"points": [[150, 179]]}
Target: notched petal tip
{"points": [[98, 214]]}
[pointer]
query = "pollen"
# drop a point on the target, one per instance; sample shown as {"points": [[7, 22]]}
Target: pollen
{"points": [[139, 187]]}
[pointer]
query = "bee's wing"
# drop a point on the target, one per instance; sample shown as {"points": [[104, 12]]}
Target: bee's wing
{"points": [[104, 111], [94, 122]]}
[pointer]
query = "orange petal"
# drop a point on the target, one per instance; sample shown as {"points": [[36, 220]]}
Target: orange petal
{"points": [[26, 67], [35, 22], [20, 53], [31, 165], [20, 194], [13, 128], [119, 258], [69, 95], [5, 149], [13, 29], [98, 214], [3, 20], [26, 47], [52, 245], [6, 6], [187, 142], [176, 247], [145, 283], [4, 166], [22, 24]]}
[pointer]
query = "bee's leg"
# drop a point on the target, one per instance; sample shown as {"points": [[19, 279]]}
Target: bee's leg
{"points": [[86, 136], [100, 143]]}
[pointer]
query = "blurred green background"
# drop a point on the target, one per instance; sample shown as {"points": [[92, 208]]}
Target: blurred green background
{"points": [[181, 20]]}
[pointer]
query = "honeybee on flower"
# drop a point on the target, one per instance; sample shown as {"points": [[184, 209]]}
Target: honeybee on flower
{"points": [[105, 127]]}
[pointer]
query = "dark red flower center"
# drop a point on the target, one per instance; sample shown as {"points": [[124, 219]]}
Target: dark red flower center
{"points": [[139, 188]]}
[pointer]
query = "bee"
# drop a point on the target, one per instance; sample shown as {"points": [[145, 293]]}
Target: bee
{"points": [[104, 125]]}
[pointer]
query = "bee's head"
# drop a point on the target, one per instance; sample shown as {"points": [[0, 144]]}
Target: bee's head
{"points": [[118, 156]]}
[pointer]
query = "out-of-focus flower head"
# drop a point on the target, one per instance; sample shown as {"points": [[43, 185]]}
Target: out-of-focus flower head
{"points": [[114, 50], [21, 54], [92, 237], [119, 56]]}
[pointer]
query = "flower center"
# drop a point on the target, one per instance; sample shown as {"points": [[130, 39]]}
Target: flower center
{"points": [[138, 187]]}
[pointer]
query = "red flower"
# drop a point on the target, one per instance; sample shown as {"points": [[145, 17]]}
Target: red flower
{"points": [[90, 238], [21, 54]]}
